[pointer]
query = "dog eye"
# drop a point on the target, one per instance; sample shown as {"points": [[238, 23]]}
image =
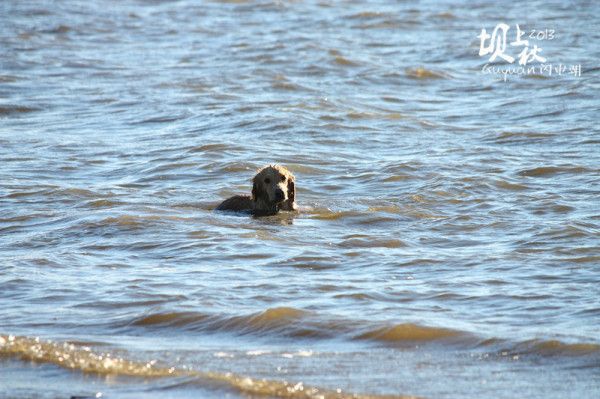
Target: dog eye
{"points": [[267, 180], [282, 178]]}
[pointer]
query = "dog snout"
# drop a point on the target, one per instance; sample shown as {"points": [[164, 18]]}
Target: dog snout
{"points": [[279, 195]]}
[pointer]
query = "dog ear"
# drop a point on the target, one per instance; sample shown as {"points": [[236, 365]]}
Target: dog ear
{"points": [[257, 191], [291, 188], [290, 204]]}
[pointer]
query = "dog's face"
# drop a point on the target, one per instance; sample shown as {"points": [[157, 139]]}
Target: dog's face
{"points": [[274, 189]]}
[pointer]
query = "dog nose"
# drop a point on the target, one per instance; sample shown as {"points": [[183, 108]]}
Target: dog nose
{"points": [[279, 194]]}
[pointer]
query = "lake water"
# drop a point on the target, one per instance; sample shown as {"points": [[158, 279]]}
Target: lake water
{"points": [[448, 243]]}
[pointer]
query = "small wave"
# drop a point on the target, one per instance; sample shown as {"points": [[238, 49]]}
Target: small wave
{"points": [[161, 119], [521, 137], [271, 319], [422, 73], [174, 319], [103, 203], [75, 192], [215, 147], [327, 214], [127, 221], [505, 185], [547, 171], [367, 15], [230, 167], [232, 1], [409, 332], [83, 359], [540, 347], [556, 347], [395, 178], [71, 356], [445, 15], [536, 76], [315, 263], [338, 59], [296, 323], [285, 85], [283, 321], [20, 194], [16, 109], [169, 166], [371, 243], [54, 192], [341, 60], [131, 221], [374, 115], [387, 23], [8, 79], [584, 259], [58, 29], [394, 209]]}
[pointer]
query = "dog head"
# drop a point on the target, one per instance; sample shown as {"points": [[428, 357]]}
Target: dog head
{"points": [[273, 189]]}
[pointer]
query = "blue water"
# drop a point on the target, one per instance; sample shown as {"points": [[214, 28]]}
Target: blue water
{"points": [[447, 243]]}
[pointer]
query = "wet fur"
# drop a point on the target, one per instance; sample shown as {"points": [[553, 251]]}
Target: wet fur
{"points": [[273, 190]]}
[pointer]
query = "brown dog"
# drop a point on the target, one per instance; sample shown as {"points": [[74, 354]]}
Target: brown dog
{"points": [[273, 190]]}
